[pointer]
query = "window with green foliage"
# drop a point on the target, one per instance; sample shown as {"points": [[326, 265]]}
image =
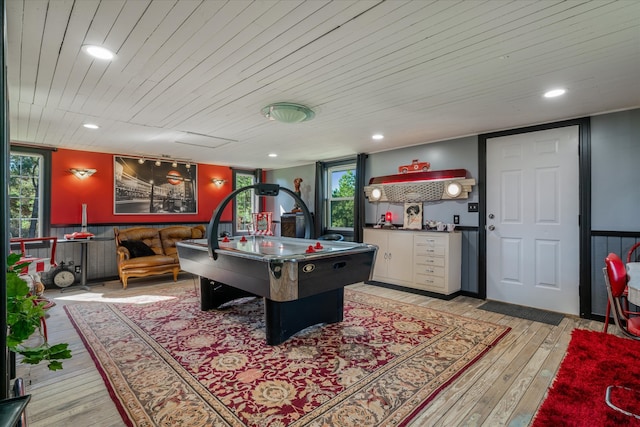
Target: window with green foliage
{"points": [[25, 194], [341, 181], [244, 202]]}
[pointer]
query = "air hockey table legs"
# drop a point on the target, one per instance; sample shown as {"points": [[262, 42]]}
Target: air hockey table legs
{"points": [[214, 294], [282, 319]]}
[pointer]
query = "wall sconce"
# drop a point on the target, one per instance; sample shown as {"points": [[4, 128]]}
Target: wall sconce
{"points": [[218, 181], [82, 173]]}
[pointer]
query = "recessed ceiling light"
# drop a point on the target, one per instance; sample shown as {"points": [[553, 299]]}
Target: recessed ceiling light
{"points": [[377, 136], [98, 52], [273, 155], [91, 126], [555, 92]]}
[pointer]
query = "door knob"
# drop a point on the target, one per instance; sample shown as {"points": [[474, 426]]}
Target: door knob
{"points": [[492, 227], [491, 216]]}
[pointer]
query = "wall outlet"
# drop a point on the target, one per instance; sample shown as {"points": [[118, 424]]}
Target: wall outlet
{"points": [[473, 207], [77, 269], [456, 219]]}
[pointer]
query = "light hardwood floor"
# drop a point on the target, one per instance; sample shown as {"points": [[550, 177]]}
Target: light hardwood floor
{"points": [[504, 388]]}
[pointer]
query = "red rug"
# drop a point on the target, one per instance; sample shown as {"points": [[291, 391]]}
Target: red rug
{"points": [[593, 362], [168, 363]]}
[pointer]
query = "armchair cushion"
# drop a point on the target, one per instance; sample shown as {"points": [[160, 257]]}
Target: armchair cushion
{"points": [[169, 236], [137, 248]]}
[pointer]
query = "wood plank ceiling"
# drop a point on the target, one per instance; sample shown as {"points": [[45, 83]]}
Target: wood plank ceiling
{"points": [[191, 76]]}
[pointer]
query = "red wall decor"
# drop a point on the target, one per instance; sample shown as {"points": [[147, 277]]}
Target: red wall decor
{"points": [[68, 193]]}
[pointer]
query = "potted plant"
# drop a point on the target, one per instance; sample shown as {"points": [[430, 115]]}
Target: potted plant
{"points": [[24, 313]]}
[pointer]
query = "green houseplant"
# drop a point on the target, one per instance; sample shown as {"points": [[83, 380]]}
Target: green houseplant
{"points": [[24, 312]]}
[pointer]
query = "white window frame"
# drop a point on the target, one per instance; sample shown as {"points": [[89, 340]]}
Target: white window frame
{"points": [[42, 214], [244, 228], [329, 197]]}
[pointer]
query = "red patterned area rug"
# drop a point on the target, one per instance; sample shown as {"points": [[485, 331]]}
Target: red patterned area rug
{"points": [[168, 363], [593, 362]]}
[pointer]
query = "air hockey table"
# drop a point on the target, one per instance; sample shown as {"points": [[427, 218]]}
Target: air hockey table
{"points": [[301, 280]]}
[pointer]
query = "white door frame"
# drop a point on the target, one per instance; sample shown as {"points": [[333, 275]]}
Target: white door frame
{"points": [[584, 172]]}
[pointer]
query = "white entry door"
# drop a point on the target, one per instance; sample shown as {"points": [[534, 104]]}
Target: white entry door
{"points": [[532, 219]]}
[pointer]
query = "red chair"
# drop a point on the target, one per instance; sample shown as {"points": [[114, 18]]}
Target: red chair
{"points": [[615, 278], [31, 273], [626, 292]]}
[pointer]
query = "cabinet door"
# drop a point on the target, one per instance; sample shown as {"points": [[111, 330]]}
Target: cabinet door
{"points": [[400, 259], [378, 238]]}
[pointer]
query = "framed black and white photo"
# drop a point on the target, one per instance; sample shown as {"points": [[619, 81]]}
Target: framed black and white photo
{"points": [[413, 216], [150, 186]]}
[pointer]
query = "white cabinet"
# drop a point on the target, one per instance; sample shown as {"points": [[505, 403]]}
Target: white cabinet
{"points": [[417, 259], [437, 261], [394, 263]]}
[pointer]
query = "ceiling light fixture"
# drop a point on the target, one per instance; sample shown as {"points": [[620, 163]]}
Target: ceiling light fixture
{"points": [[141, 160], [377, 136], [273, 155], [554, 93], [174, 164], [158, 163], [287, 112], [91, 126], [99, 52]]}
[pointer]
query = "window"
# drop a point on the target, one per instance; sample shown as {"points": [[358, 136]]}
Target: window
{"points": [[245, 202], [341, 190], [28, 213]]}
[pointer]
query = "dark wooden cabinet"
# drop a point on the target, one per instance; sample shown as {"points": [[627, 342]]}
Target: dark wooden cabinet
{"points": [[292, 225]]}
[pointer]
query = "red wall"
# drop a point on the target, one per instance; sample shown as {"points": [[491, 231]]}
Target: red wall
{"points": [[68, 193]]}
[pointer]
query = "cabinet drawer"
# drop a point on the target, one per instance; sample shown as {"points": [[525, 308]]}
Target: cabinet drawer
{"points": [[424, 251], [430, 240], [427, 260], [429, 280], [430, 269]]}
